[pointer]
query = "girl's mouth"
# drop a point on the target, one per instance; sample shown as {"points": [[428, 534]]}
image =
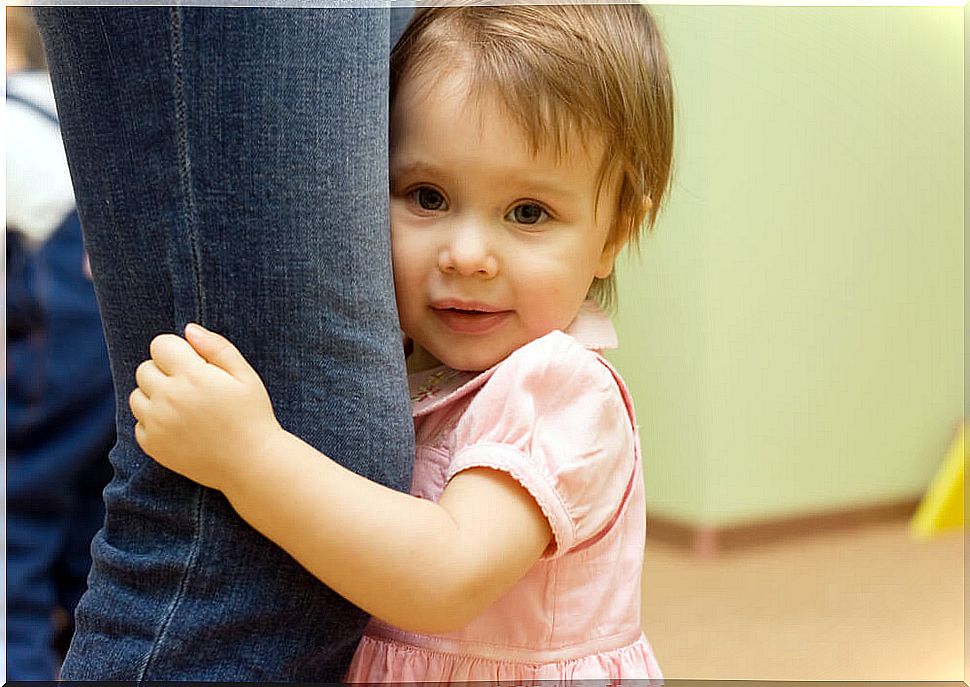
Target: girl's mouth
{"points": [[471, 321]]}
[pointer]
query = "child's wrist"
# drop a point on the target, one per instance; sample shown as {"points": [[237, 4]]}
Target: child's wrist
{"points": [[256, 465]]}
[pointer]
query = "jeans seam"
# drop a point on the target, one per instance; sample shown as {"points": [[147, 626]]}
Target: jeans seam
{"points": [[180, 593], [184, 163], [190, 222]]}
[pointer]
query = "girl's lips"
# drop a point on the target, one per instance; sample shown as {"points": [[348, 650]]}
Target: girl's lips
{"points": [[469, 321]]}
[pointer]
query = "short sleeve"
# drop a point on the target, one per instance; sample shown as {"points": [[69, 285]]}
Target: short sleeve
{"points": [[553, 417]]}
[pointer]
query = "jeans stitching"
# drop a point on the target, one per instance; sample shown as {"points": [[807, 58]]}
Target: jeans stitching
{"points": [[180, 593], [184, 163], [185, 174]]}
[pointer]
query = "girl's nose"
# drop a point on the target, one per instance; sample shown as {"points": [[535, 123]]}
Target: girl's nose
{"points": [[468, 252]]}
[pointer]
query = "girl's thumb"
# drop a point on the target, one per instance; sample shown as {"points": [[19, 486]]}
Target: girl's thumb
{"points": [[216, 349]]}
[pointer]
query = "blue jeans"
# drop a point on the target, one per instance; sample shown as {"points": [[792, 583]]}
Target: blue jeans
{"points": [[230, 167]]}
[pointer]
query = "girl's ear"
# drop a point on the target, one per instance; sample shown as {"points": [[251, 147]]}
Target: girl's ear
{"points": [[625, 227], [604, 267]]}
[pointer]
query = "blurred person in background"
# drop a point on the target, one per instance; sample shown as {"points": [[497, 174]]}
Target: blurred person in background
{"points": [[60, 398]]}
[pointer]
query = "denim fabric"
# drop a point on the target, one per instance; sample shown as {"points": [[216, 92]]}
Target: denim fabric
{"points": [[230, 168]]}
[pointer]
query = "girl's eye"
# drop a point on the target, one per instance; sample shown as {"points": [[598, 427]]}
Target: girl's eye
{"points": [[428, 198], [527, 213]]}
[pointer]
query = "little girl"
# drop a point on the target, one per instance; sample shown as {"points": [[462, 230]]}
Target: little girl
{"points": [[528, 146]]}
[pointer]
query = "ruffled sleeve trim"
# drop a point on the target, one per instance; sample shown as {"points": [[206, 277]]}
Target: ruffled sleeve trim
{"points": [[533, 476]]}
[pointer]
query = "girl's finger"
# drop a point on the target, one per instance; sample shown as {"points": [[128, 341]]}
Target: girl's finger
{"points": [[148, 377], [138, 402], [173, 354], [140, 436], [217, 350]]}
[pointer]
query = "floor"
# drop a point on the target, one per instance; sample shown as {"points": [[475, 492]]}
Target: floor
{"points": [[869, 604]]}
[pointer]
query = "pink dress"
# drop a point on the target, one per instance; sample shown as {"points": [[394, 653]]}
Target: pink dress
{"points": [[558, 419]]}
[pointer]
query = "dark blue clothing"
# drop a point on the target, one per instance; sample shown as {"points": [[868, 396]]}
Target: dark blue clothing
{"points": [[60, 427]]}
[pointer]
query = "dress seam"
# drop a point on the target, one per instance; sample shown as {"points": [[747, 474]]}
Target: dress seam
{"points": [[392, 637]]}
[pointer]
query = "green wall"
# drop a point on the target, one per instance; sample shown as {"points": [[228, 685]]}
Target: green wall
{"points": [[793, 329]]}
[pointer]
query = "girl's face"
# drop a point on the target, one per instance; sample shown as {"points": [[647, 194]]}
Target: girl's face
{"points": [[492, 247]]}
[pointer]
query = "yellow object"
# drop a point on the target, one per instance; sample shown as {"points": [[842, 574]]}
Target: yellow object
{"points": [[942, 505]]}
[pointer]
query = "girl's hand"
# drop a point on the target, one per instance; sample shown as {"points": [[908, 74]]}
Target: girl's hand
{"points": [[201, 409]]}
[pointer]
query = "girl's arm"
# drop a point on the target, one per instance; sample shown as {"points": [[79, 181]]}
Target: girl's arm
{"points": [[203, 412]]}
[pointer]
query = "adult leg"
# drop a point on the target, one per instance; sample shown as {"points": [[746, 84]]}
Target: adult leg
{"points": [[230, 168]]}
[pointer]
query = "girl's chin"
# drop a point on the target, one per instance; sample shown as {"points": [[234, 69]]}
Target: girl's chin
{"points": [[475, 362], [420, 360], [476, 357]]}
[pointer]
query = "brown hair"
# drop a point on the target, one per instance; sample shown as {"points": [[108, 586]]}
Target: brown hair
{"points": [[595, 69]]}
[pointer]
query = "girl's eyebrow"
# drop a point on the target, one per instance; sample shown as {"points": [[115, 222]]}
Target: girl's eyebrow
{"points": [[552, 187], [415, 168]]}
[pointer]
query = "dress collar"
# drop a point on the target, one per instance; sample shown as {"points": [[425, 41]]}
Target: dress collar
{"points": [[431, 389], [592, 327]]}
